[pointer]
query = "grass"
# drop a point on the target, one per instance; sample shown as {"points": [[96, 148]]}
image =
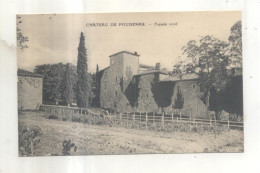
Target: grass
{"points": [[114, 139]]}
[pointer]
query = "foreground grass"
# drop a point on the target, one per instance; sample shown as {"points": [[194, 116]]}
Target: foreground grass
{"points": [[93, 139]]}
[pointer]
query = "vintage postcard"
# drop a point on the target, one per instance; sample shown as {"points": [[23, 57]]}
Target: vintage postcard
{"points": [[130, 83]]}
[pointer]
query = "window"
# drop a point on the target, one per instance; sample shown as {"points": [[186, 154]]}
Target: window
{"points": [[147, 95], [116, 93], [116, 79], [193, 86]]}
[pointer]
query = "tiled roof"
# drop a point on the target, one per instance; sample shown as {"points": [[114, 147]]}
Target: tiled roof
{"points": [[145, 66], [124, 51], [190, 76], [153, 71], [21, 72]]}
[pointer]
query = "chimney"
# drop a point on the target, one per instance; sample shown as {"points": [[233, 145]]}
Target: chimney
{"points": [[157, 66]]}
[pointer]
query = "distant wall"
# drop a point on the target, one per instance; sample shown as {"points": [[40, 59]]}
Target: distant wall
{"points": [[29, 92]]}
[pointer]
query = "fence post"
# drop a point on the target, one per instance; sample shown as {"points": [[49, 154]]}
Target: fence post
{"points": [[140, 118], [114, 118], [134, 116], [153, 119], [80, 111], [172, 121], [127, 119], [210, 121], [228, 124], [180, 115], [120, 116], [190, 121], [162, 120], [177, 120], [146, 119]]}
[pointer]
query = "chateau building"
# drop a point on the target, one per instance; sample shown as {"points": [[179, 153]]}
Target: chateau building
{"points": [[127, 86]]}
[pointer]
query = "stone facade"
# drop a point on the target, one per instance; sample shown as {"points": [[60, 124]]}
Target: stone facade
{"points": [[29, 90], [127, 86]]}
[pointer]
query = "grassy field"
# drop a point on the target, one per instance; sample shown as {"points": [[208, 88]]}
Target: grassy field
{"points": [[94, 139]]}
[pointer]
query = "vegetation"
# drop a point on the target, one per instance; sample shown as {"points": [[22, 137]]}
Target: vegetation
{"points": [[68, 93], [59, 81], [162, 92], [211, 59], [179, 100], [67, 145], [29, 138], [21, 39], [84, 81]]}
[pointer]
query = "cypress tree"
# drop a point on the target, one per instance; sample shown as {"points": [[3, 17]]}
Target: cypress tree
{"points": [[83, 89]]}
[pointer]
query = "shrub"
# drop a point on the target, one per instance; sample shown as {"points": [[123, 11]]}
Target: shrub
{"points": [[67, 145], [76, 118], [29, 138], [53, 116]]}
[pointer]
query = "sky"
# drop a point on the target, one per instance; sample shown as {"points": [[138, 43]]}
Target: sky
{"points": [[54, 38]]}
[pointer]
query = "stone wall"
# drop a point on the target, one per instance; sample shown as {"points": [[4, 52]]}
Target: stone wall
{"points": [[116, 79], [29, 92], [146, 102], [190, 92]]}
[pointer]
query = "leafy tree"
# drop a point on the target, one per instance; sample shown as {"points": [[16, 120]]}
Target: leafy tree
{"points": [[54, 81], [177, 69], [21, 39], [84, 88], [207, 59], [68, 86], [235, 44]]}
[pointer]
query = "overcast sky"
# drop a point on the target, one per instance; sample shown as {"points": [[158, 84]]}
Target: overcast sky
{"points": [[55, 38]]}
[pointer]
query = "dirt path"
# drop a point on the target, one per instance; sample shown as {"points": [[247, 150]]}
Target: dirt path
{"points": [[92, 139]]}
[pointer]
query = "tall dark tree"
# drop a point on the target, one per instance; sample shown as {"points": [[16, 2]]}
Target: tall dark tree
{"points": [[179, 100], [162, 92], [83, 89], [68, 86], [97, 69]]}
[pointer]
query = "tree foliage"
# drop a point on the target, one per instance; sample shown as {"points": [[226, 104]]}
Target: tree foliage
{"points": [[211, 59], [235, 44], [21, 39], [179, 100], [84, 82], [54, 81], [68, 93], [162, 92], [208, 59]]}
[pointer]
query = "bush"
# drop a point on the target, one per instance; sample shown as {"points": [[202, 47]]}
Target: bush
{"points": [[29, 138], [76, 118], [67, 145], [53, 116]]}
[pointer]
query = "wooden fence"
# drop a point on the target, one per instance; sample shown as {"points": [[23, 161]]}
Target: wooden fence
{"points": [[141, 119]]}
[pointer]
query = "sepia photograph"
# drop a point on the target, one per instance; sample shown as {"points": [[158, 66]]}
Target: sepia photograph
{"points": [[130, 83]]}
